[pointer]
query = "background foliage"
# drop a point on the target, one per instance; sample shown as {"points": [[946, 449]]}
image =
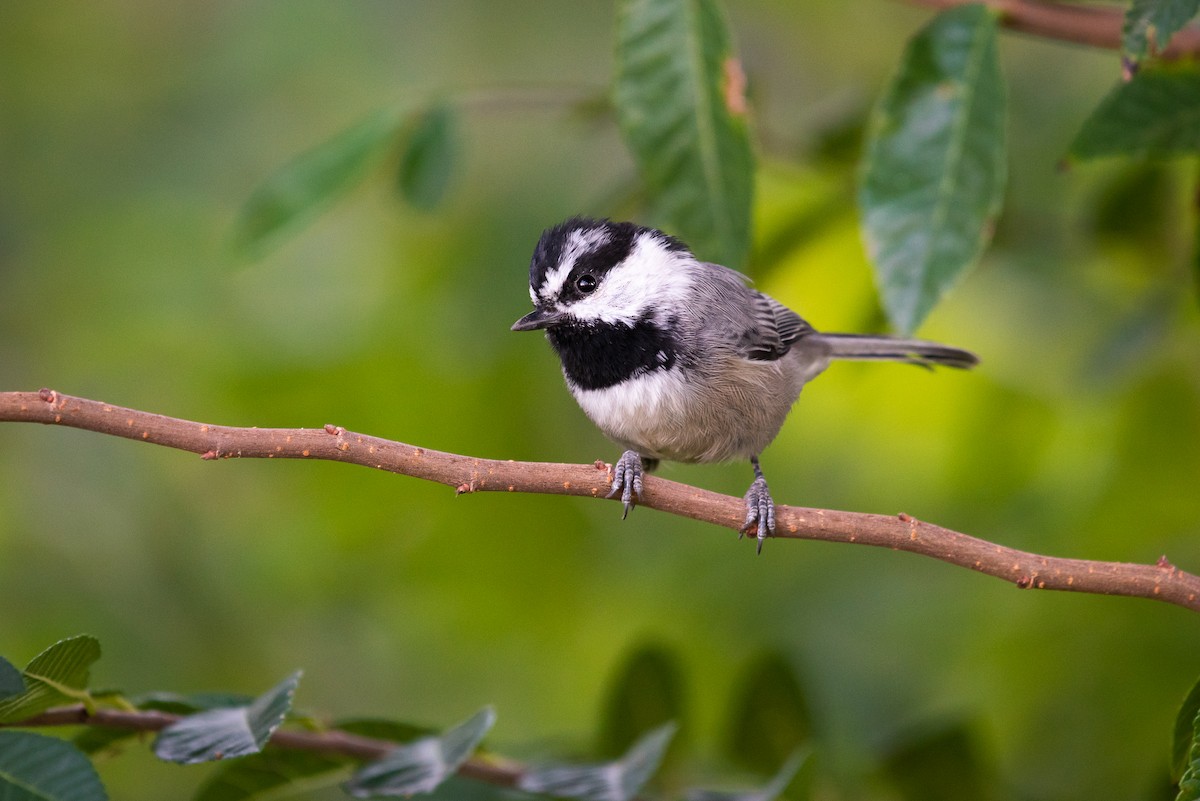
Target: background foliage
{"points": [[131, 136]]}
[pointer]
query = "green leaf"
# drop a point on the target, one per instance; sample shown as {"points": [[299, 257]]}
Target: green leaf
{"points": [[1189, 782], [939, 764], [303, 188], [179, 704], [34, 767], [772, 790], [266, 775], [611, 781], [646, 692], [934, 171], [421, 766], [1155, 114], [382, 729], [1159, 19], [57, 675], [770, 718], [11, 682], [273, 773], [1181, 744], [94, 739], [680, 103], [227, 732], [428, 158]]}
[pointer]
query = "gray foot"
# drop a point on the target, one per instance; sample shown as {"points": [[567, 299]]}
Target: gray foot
{"points": [[760, 507], [627, 480]]}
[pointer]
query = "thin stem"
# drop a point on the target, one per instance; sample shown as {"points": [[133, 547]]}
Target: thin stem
{"points": [[1161, 581], [330, 741], [1092, 25]]}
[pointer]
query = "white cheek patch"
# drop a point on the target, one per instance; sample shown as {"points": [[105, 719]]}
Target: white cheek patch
{"points": [[578, 243], [651, 277]]}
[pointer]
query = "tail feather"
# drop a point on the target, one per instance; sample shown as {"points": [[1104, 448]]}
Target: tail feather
{"points": [[912, 351]]}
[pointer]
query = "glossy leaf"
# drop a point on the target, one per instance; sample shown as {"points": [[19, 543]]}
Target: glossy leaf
{"points": [[769, 792], [611, 781], [34, 767], [227, 732], [646, 692], [11, 682], [420, 766], [1154, 19], [770, 718], [57, 675], [681, 106], [294, 195], [1156, 114], [934, 171], [428, 158], [1181, 744]]}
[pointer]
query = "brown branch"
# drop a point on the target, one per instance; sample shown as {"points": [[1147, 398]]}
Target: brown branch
{"points": [[1093, 25], [329, 741], [1162, 581]]}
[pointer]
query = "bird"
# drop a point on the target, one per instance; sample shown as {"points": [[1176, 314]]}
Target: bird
{"points": [[678, 359]]}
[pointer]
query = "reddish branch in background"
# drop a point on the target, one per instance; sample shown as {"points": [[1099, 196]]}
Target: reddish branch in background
{"points": [[1161, 581], [1094, 25]]}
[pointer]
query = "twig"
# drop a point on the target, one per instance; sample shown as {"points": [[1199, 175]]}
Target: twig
{"points": [[1094, 25], [1161, 581], [329, 741]]}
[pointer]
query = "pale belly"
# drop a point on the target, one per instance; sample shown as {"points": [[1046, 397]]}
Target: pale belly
{"points": [[735, 415]]}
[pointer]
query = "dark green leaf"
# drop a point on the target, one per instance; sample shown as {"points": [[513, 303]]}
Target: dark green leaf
{"points": [[770, 718], [934, 171], [178, 704], [1156, 114], [95, 739], [1138, 204], [939, 764], [292, 197], [265, 775], [1181, 744], [611, 781], [34, 767], [1159, 19], [772, 790], [1189, 782], [11, 682], [420, 766], [428, 158], [62, 667], [227, 732], [680, 103], [645, 693], [381, 729]]}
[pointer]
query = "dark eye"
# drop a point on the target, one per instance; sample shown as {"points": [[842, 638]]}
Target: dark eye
{"points": [[585, 283]]}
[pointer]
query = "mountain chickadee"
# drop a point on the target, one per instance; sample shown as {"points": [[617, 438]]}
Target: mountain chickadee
{"points": [[677, 359]]}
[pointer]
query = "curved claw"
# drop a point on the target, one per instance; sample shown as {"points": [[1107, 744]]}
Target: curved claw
{"points": [[760, 511], [627, 480]]}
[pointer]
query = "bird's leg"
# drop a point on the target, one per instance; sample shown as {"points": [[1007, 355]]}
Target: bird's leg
{"points": [[627, 478], [760, 508]]}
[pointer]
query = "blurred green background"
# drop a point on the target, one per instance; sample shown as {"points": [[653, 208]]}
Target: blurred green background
{"points": [[132, 132]]}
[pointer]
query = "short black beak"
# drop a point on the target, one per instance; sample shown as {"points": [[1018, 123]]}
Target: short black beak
{"points": [[538, 318]]}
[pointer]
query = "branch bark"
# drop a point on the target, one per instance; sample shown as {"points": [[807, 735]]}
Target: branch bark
{"points": [[1161, 581], [334, 742], [1092, 25]]}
